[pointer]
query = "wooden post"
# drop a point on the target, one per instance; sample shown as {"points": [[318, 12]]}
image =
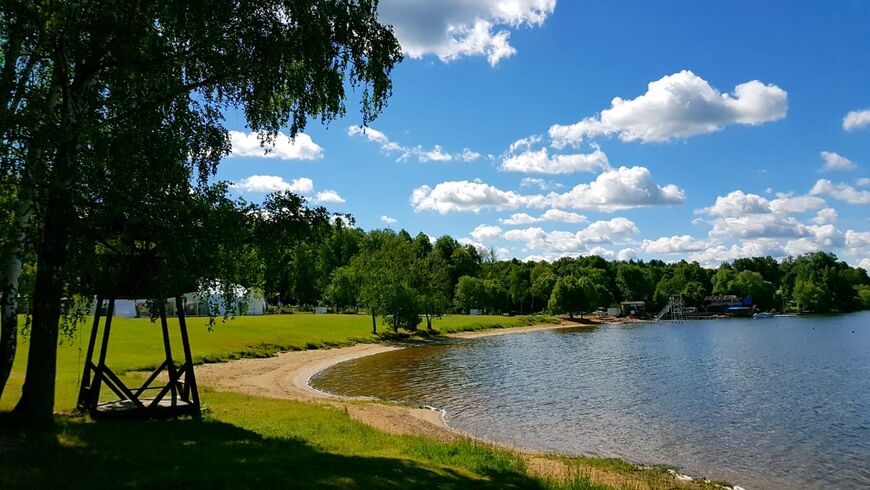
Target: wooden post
{"points": [[104, 347], [191, 391], [86, 373], [170, 365]]}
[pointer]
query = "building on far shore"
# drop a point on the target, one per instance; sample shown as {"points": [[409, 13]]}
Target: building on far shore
{"points": [[633, 308], [719, 303]]}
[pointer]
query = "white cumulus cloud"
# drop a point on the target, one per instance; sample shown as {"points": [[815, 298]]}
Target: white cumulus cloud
{"points": [[486, 233], [388, 220], [738, 203], [300, 148], [274, 183], [825, 216], [541, 162], [841, 192], [452, 29], [717, 254], [554, 244], [856, 120], [835, 161], [544, 185], [613, 190], [617, 189], [675, 244], [328, 196], [469, 196], [678, 106], [405, 153]]}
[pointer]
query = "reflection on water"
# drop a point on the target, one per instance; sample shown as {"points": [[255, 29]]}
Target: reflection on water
{"points": [[775, 403]]}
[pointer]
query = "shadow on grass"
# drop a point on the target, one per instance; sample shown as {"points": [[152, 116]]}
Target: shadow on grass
{"points": [[204, 454]]}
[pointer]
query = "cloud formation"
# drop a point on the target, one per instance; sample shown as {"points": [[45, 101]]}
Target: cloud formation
{"points": [[618, 189], [453, 29], [840, 192], [677, 106], [436, 154], [856, 120], [675, 244], [274, 183], [552, 244], [486, 233], [388, 220], [328, 196], [613, 190], [834, 161], [739, 204], [249, 145], [541, 162]]}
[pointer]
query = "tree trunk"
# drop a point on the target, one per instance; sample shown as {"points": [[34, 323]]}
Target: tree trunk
{"points": [[36, 405], [9, 296], [374, 325], [37, 396]]}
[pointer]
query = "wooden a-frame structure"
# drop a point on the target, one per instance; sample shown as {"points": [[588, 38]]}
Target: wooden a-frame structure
{"points": [[171, 395], [177, 396]]}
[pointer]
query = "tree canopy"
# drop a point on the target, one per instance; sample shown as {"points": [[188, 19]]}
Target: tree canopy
{"points": [[96, 91]]}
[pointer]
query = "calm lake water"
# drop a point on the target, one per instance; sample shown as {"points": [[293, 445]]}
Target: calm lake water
{"points": [[776, 403]]}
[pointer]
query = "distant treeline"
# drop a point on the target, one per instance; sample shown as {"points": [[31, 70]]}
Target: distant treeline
{"points": [[303, 256], [402, 278]]}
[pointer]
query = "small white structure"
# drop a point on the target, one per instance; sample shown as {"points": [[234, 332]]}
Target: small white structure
{"points": [[200, 303], [320, 310], [125, 308], [474, 311], [613, 311]]}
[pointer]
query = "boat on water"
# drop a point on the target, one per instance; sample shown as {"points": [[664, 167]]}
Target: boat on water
{"points": [[762, 314]]}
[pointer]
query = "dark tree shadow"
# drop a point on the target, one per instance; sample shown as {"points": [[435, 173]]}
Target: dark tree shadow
{"points": [[204, 454]]}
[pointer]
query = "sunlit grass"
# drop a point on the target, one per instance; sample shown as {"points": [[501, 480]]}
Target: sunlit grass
{"points": [[136, 344]]}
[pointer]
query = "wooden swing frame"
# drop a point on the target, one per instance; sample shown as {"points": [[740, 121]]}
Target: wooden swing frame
{"points": [[177, 397]]}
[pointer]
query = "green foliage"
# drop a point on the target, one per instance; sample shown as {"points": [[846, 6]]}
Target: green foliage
{"points": [[569, 296], [542, 287], [809, 296], [693, 294], [470, 293], [343, 289], [633, 282]]}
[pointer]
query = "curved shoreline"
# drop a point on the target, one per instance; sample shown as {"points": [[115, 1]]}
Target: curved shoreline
{"points": [[287, 376]]}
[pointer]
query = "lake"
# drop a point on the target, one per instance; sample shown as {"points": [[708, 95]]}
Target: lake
{"points": [[773, 403]]}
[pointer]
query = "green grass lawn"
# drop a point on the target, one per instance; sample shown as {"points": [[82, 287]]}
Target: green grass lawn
{"points": [[136, 344], [244, 441], [247, 442]]}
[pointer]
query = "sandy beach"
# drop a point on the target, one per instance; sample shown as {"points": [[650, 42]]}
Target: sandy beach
{"points": [[286, 376]]}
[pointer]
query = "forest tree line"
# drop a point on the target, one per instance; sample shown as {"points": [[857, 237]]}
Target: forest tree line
{"points": [[301, 256], [402, 277]]}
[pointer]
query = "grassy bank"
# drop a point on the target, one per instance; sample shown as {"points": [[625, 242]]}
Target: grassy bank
{"points": [[136, 343], [243, 441]]}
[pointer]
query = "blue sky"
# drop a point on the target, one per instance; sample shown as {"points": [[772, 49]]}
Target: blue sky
{"points": [[741, 128]]}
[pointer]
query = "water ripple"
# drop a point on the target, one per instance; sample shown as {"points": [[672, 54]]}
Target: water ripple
{"points": [[779, 403]]}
